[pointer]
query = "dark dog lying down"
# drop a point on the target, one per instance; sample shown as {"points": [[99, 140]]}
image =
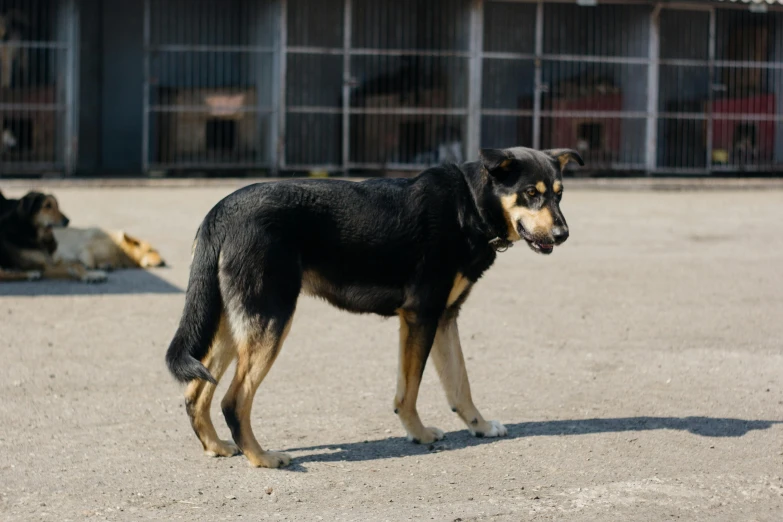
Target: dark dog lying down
{"points": [[36, 242], [410, 248], [27, 242]]}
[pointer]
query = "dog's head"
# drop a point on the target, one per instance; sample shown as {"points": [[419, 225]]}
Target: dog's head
{"points": [[528, 184], [41, 211], [140, 251]]}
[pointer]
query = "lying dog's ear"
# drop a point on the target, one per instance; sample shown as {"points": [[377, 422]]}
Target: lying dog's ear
{"points": [[564, 156], [494, 159], [30, 204]]}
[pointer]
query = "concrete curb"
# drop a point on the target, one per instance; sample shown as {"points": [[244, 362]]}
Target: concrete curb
{"points": [[627, 184]]}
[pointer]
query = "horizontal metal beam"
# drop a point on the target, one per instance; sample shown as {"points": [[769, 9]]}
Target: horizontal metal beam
{"points": [[217, 165], [34, 45], [390, 111], [376, 52], [32, 107], [180, 48], [207, 108]]}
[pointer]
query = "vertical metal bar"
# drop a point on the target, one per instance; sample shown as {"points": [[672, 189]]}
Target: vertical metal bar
{"points": [[475, 74], [653, 53], [71, 88], [279, 162], [539, 50], [710, 91], [346, 85], [145, 128]]}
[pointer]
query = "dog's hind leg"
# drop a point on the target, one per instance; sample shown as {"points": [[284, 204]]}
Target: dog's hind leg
{"points": [[256, 352], [260, 306], [416, 338], [450, 364], [198, 395]]}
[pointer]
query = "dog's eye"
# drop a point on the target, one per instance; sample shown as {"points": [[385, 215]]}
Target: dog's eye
{"points": [[47, 206], [531, 192]]}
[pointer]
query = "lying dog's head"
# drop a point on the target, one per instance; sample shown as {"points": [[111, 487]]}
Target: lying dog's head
{"points": [[138, 250], [529, 185], [41, 211]]}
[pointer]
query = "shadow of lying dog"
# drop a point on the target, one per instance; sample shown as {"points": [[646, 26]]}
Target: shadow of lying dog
{"points": [[119, 282], [399, 447]]}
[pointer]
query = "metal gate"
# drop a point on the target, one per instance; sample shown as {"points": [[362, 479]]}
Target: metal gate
{"points": [[37, 86], [373, 85], [376, 84], [561, 74], [210, 90]]}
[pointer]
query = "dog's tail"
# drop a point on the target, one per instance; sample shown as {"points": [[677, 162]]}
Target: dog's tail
{"points": [[201, 316]]}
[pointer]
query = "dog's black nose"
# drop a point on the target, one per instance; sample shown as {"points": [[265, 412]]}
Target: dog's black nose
{"points": [[560, 234], [65, 221]]}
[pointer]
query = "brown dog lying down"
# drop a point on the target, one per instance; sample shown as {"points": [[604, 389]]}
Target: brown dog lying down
{"points": [[105, 250]]}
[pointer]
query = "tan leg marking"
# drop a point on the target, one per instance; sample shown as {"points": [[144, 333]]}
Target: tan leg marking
{"points": [[411, 366], [255, 356], [461, 283], [198, 395], [450, 364]]}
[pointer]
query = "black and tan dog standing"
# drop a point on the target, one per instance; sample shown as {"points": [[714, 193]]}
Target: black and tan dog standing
{"points": [[410, 248]]}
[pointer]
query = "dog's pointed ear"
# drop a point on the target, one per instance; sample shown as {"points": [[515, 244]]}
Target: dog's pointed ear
{"points": [[494, 159], [565, 156]]}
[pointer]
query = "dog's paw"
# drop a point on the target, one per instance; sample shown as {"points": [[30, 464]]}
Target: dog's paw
{"points": [[94, 276], [269, 459], [429, 436], [33, 275], [224, 448], [490, 429]]}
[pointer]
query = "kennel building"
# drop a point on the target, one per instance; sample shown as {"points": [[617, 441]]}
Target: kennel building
{"points": [[158, 87]]}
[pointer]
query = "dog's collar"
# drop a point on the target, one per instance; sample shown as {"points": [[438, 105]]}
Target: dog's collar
{"points": [[500, 244]]}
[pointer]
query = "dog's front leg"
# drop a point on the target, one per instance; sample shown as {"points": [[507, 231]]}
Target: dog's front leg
{"points": [[67, 270], [416, 336], [448, 359]]}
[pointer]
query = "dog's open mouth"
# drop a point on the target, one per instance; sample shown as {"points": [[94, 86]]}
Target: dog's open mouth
{"points": [[534, 244], [541, 248]]}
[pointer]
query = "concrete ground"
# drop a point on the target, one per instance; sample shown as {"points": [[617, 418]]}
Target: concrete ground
{"points": [[639, 370]]}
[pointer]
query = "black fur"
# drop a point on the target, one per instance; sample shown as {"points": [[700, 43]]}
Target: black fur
{"points": [[18, 229], [383, 246]]}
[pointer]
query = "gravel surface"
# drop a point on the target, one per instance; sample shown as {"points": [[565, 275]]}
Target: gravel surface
{"points": [[639, 370]]}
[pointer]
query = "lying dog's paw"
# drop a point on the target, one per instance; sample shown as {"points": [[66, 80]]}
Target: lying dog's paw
{"points": [[491, 429], [429, 436], [94, 276], [33, 275]]}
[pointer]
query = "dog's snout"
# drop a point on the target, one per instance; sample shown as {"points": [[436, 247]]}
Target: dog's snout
{"points": [[560, 234], [65, 221]]}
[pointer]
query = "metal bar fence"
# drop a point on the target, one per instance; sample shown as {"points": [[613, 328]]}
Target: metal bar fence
{"points": [[386, 85], [210, 89], [37, 86]]}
